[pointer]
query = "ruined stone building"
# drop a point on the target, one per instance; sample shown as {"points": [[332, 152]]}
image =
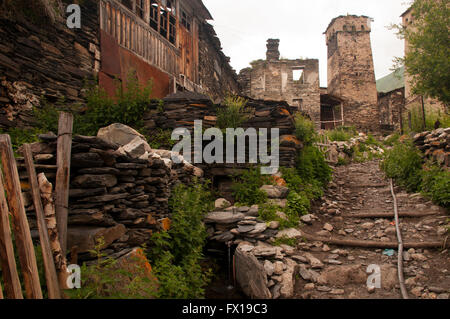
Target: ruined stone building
{"points": [[167, 41], [391, 100], [293, 81], [351, 75]]}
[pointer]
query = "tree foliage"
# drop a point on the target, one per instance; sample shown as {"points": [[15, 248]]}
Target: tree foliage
{"points": [[429, 46]]}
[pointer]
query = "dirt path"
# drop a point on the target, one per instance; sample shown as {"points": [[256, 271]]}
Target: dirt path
{"points": [[329, 271]]}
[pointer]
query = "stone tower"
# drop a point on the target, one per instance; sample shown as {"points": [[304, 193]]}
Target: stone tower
{"points": [[351, 74]]}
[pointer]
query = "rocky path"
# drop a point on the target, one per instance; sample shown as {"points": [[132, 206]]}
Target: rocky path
{"points": [[329, 271]]}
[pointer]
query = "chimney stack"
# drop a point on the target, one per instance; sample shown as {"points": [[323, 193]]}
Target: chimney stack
{"points": [[273, 54]]}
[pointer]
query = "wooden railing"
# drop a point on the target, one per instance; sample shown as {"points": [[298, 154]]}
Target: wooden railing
{"points": [[137, 36]]}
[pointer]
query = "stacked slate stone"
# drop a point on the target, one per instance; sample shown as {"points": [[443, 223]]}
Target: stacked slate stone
{"points": [[263, 271], [435, 145], [115, 194], [181, 109]]}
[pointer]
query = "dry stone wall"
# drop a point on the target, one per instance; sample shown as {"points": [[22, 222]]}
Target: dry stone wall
{"points": [[118, 193], [48, 60], [182, 109], [435, 145]]}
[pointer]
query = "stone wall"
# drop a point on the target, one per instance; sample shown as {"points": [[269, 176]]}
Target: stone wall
{"points": [[48, 60], [117, 193], [391, 107], [273, 79], [182, 109], [216, 75], [435, 145], [351, 74]]}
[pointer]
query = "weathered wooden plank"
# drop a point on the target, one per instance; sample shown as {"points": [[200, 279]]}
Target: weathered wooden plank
{"points": [[47, 256], [1, 291], [63, 155], [22, 233], [11, 280], [50, 217]]}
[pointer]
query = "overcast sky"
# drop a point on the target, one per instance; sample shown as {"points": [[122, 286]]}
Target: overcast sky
{"points": [[243, 27]]}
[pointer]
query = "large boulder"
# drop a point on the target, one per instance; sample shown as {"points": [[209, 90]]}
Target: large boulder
{"points": [[85, 238], [119, 134], [275, 191], [251, 275]]}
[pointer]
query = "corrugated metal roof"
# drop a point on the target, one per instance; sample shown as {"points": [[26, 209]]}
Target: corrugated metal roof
{"points": [[391, 82]]}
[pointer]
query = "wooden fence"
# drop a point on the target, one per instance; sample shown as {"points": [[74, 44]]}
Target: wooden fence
{"points": [[12, 207]]}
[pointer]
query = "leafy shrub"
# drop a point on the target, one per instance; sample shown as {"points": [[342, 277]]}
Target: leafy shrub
{"points": [[233, 114], [311, 165], [404, 164], [436, 185], [161, 140], [268, 212], [304, 129], [298, 204], [176, 254], [246, 187], [341, 134], [105, 279], [392, 139]]}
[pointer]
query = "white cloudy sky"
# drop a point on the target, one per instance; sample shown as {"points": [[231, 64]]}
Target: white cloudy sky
{"points": [[243, 27]]}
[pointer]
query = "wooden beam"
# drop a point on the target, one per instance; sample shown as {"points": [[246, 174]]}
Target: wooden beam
{"points": [[49, 265], [22, 233], [49, 210], [11, 281], [63, 155], [390, 215]]}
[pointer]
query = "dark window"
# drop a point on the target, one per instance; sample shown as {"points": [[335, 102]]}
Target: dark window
{"points": [[140, 8], [362, 27], [172, 29], [163, 22], [353, 28], [345, 28], [154, 9], [186, 20], [128, 4]]}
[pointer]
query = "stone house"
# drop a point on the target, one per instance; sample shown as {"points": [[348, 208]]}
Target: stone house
{"points": [[167, 41], [294, 81]]}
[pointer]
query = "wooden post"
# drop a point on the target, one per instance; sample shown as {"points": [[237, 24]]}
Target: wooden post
{"points": [[63, 175], [49, 210], [1, 291], [423, 115], [13, 290], [22, 233], [409, 120], [49, 264]]}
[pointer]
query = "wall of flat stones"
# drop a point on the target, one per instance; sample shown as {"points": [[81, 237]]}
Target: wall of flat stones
{"points": [[112, 195], [181, 110], [435, 145], [216, 74], [48, 60]]}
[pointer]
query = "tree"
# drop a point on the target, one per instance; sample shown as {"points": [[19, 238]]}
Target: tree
{"points": [[427, 59]]}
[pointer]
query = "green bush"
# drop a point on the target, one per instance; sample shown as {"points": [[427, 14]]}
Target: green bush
{"points": [[268, 213], [404, 164], [105, 279], [298, 204], [311, 165], [161, 140], [246, 187], [341, 134], [392, 140], [436, 185], [233, 114], [176, 254], [304, 129]]}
